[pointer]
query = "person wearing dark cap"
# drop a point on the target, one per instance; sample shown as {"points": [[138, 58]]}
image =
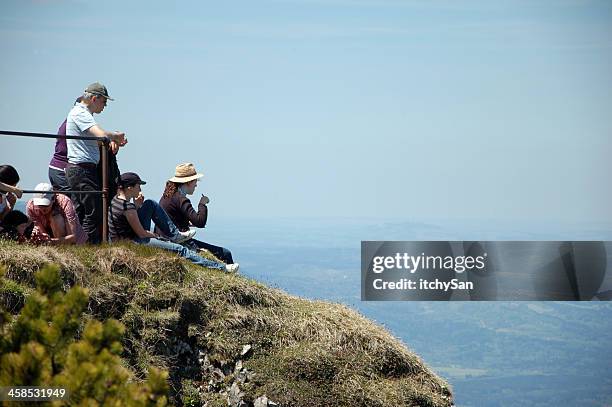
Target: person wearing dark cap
{"points": [[59, 161], [84, 155], [129, 220]]}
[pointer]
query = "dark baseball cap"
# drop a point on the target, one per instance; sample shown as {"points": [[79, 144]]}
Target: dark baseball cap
{"points": [[97, 88], [130, 178]]}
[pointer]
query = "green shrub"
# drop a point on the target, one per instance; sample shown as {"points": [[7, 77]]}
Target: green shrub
{"points": [[38, 348]]}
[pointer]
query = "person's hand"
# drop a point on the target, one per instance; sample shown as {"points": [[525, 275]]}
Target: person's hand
{"points": [[204, 200], [139, 200], [114, 147], [119, 138], [11, 199]]}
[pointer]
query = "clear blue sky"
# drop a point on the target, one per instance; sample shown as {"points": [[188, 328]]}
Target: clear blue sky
{"points": [[397, 109]]}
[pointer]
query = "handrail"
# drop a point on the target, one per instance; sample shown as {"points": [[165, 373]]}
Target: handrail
{"points": [[57, 191], [105, 140], [103, 159]]}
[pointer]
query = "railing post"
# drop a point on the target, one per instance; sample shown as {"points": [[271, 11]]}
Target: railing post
{"points": [[104, 159]]}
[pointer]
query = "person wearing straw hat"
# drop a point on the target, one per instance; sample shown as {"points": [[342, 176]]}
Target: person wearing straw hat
{"points": [[179, 208], [9, 178], [84, 155], [54, 215]]}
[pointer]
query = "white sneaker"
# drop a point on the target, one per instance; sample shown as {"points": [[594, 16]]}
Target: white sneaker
{"points": [[184, 236], [232, 268]]}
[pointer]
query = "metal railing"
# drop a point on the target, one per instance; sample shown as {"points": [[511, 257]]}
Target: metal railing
{"points": [[103, 161]]}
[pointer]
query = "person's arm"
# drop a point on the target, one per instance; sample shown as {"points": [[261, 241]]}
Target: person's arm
{"points": [[72, 221], [132, 217], [38, 236], [116, 136], [68, 239], [9, 188], [197, 219]]}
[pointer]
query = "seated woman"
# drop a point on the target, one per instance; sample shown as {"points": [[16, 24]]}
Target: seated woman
{"points": [[54, 215], [179, 208], [9, 178], [132, 221]]}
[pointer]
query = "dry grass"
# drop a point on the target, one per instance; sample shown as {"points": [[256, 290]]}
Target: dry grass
{"points": [[304, 353]]}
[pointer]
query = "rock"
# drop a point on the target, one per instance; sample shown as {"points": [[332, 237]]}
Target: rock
{"points": [[244, 376], [238, 367], [234, 398], [261, 401], [218, 375], [246, 350]]}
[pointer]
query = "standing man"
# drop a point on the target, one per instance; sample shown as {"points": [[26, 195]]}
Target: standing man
{"points": [[84, 155]]}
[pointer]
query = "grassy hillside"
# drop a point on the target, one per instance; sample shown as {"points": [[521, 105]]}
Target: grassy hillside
{"points": [[227, 338]]}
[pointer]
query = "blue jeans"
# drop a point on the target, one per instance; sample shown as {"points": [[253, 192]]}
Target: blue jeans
{"points": [[58, 180], [150, 210]]}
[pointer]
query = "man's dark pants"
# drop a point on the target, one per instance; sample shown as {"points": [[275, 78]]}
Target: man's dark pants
{"points": [[221, 253], [88, 206]]}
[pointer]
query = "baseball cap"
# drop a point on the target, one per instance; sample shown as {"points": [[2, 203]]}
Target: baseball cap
{"points": [[97, 88], [130, 178], [43, 198]]}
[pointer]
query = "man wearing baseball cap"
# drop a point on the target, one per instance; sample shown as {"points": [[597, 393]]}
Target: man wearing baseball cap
{"points": [[84, 155]]}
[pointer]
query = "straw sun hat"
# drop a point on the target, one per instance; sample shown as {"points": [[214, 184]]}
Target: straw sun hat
{"points": [[184, 173]]}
